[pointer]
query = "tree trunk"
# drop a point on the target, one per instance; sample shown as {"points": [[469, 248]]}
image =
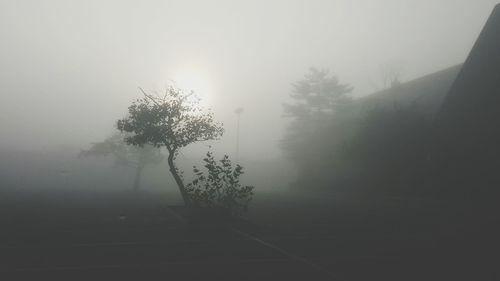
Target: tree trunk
{"points": [[177, 178], [137, 180]]}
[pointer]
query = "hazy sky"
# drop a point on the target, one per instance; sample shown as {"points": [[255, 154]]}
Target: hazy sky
{"points": [[69, 69]]}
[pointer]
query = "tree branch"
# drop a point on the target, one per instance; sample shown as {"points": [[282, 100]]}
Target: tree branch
{"points": [[149, 97]]}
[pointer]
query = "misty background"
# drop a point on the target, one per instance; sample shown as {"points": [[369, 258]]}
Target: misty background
{"points": [[70, 69]]}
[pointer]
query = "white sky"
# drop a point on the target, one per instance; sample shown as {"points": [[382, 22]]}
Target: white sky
{"points": [[69, 69]]}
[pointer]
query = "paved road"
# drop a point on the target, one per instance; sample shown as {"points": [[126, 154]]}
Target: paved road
{"points": [[119, 238], [133, 248]]}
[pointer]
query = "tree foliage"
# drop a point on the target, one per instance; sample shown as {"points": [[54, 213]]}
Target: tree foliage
{"points": [[220, 186], [172, 120], [318, 99], [125, 155], [316, 94]]}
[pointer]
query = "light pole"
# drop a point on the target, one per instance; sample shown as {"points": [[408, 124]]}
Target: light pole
{"points": [[238, 112]]}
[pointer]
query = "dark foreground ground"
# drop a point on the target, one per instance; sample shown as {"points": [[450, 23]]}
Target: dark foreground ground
{"points": [[126, 236]]}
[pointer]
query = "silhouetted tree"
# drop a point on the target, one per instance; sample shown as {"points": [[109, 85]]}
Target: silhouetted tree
{"points": [[316, 100], [316, 95], [126, 155], [172, 120], [390, 74]]}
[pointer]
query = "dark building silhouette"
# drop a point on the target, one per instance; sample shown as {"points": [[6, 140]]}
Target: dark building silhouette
{"points": [[426, 93], [468, 123], [464, 101]]}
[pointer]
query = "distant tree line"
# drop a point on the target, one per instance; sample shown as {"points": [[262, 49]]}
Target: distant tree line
{"points": [[336, 143]]}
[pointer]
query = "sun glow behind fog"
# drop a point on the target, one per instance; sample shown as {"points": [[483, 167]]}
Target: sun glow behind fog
{"points": [[196, 80]]}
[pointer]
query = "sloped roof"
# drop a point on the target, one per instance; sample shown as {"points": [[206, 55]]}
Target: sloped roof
{"points": [[474, 98], [426, 93], [461, 94], [467, 126]]}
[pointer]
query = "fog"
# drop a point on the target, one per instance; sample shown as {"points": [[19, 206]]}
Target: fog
{"points": [[366, 130], [69, 69]]}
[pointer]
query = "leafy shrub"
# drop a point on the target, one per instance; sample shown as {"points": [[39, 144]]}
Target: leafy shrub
{"points": [[220, 187]]}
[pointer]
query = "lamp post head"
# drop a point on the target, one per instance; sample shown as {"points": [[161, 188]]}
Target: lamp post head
{"points": [[239, 110]]}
